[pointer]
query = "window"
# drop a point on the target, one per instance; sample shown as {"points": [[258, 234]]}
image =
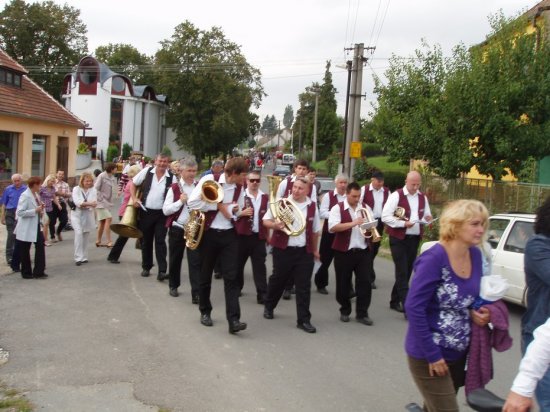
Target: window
{"points": [[9, 77], [496, 229], [8, 154], [115, 129], [38, 167], [118, 85], [520, 233]]}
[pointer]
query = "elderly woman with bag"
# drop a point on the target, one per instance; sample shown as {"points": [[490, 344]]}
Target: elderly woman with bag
{"points": [[27, 231], [446, 283], [82, 218]]}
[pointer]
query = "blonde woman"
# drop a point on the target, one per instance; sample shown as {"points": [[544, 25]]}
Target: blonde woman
{"points": [[47, 194], [105, 185], [82, 218]]}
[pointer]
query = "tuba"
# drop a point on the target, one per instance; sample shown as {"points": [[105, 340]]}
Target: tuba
{"points": [[368, 229], [285, 210], [212, 192], [127, 227]]}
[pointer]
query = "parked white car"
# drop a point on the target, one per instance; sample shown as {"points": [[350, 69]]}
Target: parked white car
{"points": [[508, 234]]}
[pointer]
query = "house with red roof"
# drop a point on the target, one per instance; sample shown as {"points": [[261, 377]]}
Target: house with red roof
{"points": [[38, 136]]}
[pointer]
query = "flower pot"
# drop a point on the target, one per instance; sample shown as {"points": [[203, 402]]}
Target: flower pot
{"points": [[83, 160]]}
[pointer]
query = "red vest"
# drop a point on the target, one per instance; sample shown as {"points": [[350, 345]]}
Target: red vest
{"points": [[332, 201], [341, 239], [175, 216], [369, 198], [399, 233], [211, 215], [243, 225], [279, 239]]}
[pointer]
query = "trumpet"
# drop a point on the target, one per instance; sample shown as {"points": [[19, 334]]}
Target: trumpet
{"points": [[368, 229]]}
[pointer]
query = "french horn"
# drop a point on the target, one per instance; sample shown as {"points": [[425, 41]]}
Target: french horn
{"points": [[285, 210], [212, 192]]}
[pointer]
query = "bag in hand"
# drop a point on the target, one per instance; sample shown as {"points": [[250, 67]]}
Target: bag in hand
{"points": [[71, 204]]}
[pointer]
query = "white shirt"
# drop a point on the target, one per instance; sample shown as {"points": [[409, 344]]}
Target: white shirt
{"points": [[170, 206], [325, 204], [256, 203], [378, 196], [196, 202], [281, 191], [389, 210], [155, 198], [534, 364], [357, 241], [300, 241]]}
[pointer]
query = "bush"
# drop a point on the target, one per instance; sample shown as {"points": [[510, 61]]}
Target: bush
{"points": [[372, 150], [362, 169], [394, 180], [126, 151], [331, 164], [112, 152], [82, 148], [166, 151]]}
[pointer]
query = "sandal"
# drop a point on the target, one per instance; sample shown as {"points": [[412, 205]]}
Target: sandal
{"points": [[98, 244]]}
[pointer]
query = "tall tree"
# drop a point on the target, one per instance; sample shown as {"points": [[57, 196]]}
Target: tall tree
{"points": [[288, 117], [211, 88], [270, 125], [126, 59], [46, 38]]}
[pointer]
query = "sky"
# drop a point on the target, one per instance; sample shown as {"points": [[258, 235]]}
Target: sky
{"points": [[290, 41]]}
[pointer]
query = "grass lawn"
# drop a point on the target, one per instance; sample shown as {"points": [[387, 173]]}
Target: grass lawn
{"points": [[380, 162]]}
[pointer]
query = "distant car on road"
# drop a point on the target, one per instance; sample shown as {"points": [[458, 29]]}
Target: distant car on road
{"points": [[281, 170], [508, 234], [327, 184]]}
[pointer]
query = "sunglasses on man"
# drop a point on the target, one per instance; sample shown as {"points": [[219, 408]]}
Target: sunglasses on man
{"points": [[254, 180]]}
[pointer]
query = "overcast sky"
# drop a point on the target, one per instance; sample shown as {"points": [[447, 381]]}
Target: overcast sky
{"points": [[291, 40]]}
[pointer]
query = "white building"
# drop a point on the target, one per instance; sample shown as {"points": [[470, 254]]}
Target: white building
{"points": [[117, 111]]}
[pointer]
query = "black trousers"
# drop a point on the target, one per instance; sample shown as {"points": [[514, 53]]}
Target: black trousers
{"points": [[327, 255], [152, 224], [403, 252], [223, 245], [10, 238], [373, 250], [254, 248], [176, 249], [60, 215], [39, 256], [346, 264], [293, 264]]}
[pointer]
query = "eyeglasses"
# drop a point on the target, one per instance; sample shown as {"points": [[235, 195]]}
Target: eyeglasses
{"points": [[254, 180]]}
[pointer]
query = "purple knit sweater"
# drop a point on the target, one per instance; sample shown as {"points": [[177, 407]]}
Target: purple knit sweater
{"points": [[437, 306]]}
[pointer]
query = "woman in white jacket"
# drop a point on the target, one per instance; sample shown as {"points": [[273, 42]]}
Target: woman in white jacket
{"points": [[27, 230], [82, 218]]}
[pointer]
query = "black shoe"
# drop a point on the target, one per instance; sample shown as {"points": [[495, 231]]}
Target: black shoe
{"points": [[27, 276], [260, 300], [195, 299], [373, 285], [85, 261], [42, 276], [322, 291], [365, 321], [78, 263], [217, 275], [344, 318], [115, 261], [236, 326], [306, 327], [268, 313], [397, 306], [206, 320], [145, 273], [174, 292], [162, 276], [286, 294]]}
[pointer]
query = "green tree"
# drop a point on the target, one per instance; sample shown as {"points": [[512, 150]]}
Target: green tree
{"points": [[46, 38], [211, 88], [126, 59], [270, 126], [126, 151], [288, 117]]}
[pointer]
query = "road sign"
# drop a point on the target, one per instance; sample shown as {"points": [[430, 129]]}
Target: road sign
{"points": [[355, 150]]}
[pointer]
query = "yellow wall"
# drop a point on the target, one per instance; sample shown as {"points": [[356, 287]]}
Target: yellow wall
{"points": [[26, 128]]}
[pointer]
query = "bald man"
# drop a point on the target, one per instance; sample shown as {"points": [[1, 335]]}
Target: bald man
{"points": [[405, 233]]}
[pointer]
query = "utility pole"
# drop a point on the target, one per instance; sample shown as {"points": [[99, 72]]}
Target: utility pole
{"points": [[314, 153], [278, 135]]}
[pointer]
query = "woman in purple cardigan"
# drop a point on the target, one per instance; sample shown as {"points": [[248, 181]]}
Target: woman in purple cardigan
{"points": [[445, 284]]}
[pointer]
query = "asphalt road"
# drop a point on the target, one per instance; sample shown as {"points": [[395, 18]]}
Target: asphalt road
{"points": [[100, 337]]}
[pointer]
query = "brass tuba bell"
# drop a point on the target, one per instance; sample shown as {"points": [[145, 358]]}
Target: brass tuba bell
{"points": [[285, 210], [400, 213], [368, 229], [127, 227], [212, 192]]}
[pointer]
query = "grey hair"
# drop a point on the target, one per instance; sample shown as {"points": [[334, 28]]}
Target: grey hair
{"points": [[15, 176], [341, 176], [188, 162], [217, 162]]}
